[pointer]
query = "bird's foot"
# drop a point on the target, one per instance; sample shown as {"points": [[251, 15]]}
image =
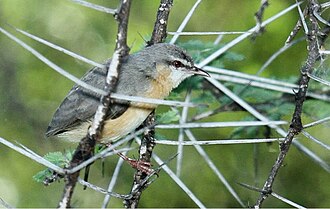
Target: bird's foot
{"points": [[145, 167]]}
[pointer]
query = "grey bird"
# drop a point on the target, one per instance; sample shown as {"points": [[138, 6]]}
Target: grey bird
{"points": [[152, 73]]}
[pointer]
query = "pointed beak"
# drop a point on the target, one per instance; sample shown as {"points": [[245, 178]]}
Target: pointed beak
{"points": [[198, 71]]}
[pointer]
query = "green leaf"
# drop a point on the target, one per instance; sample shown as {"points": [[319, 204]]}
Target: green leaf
{"points": [[58, 158], [175, 95], [205, 97], [168, 117], [255, 95], [199, 50], [241, 131], [42, 175], [280, 109], [159, 136], [316, 108]]}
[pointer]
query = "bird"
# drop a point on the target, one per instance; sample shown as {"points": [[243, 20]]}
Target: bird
{"points": [[152, 72]]}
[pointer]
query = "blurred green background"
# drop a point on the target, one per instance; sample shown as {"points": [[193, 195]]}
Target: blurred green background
{"points": [[30, 92]]}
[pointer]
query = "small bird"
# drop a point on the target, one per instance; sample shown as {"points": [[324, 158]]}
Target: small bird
{"points": [[151, 73]]}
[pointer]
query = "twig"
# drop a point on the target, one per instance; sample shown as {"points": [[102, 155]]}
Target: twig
{"points": [[153, 101], [327, 52], [114, 177], [284, 89], [101, 190], [244, 36], [289, 202], [195, 33], [302, 19], [324, 33], [210, 163], [185, 21], [320, 18], [222, 108], [183, 119], [296, 124], [305, 133], [250, 82], [61, 49], [178, 181], [143, 184], [295, 30], [283, 199], [248, 76], [80, 82], [105, 153], [160, 28], [5, 204], [258, 16], [86, 146], [148, 140], [276, 54], [51, 64], [95, 6], [28, 153], [316, 78], [220, 124], [219, 142], [316, 122], [261, 117]]}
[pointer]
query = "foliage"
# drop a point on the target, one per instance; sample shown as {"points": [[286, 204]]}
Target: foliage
{"points": [[168, 117], [57, 158]]}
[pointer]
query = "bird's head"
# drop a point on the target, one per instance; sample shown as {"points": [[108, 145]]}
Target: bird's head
{"points": [[173, 60]]}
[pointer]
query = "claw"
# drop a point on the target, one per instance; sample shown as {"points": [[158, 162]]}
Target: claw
{"points": [[145, 167]]}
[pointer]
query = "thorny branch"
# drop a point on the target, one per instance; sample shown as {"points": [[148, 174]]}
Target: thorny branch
{"points": [[296, 29], [159, 32], [258, 16], [148, 140], [86, 146], [300, 96]]}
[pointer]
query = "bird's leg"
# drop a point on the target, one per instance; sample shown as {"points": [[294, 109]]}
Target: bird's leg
{"points": [[142, 166], [145, 167]]}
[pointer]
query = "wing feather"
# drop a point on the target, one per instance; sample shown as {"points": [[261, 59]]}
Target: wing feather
{"points": [[80, 104]]}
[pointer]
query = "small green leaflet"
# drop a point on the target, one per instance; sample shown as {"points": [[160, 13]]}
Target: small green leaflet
{"points": [[168, 117]]}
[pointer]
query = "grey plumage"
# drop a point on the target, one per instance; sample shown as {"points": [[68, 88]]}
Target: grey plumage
{"points": [[80, 104]]}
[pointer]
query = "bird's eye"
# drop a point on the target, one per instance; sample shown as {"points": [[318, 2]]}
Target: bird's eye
{"points": [[177, 64]]}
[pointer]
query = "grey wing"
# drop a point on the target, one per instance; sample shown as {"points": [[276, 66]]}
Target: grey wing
{"points": [[80, 105]]}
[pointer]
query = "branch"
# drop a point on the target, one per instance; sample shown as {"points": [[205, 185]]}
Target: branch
{"points": [[300, 96], [95, 6], [296, 28], [219, 142], [86, 146], [244, 36], [160, 28], [178, 181], [219, 124], [258, 16], [88, 61], [148, 140], [283, 199], [195, 33], [185, 21], [5, 204]]}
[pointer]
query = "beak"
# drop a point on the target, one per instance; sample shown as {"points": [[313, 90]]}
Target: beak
{"points": [[198, 71]]}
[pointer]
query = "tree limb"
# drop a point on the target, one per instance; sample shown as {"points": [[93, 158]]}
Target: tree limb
{"points": [[148, 140], [300, 96], [86, 146]]}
